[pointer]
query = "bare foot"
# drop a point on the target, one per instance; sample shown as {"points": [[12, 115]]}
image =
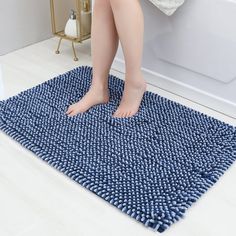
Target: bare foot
{"points": [[96, 95], [131, 99]]}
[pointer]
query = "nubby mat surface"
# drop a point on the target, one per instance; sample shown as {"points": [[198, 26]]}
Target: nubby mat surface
{"points": [[152, 166]]}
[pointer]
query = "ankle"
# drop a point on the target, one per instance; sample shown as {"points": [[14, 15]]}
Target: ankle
{"points": [[136, 82], [135, 78], [102, 86]]}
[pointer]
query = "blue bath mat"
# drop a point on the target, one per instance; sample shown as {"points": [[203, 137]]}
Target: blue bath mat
{"points": [[152, 166]]}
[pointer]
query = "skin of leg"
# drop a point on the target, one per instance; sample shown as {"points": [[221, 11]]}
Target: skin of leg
{"points": [[104, 44], [129, 21]]}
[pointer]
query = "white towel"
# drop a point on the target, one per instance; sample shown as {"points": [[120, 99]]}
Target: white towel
{"points": [[167, 6]]}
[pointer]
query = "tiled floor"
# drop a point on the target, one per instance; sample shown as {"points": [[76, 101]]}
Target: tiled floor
{"points": [[37, 200]]}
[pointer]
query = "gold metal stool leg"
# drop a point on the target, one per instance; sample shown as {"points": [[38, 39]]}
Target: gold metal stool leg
{"points": [[58, 47], [73, 47]]}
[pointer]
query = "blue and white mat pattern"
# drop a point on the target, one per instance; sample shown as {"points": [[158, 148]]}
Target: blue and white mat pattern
{"points": [[152, 166]]}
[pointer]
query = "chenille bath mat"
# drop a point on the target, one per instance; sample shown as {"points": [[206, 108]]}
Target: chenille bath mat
{"points": [[152, 166]]}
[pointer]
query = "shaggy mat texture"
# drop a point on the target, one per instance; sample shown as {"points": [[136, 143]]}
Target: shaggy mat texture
{"points": [[152, 166]]}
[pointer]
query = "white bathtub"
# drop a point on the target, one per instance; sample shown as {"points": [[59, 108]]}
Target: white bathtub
{"points": [[192, 53]]}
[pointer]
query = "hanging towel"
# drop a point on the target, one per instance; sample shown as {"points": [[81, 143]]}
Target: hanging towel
{"points": [[167, 6]]}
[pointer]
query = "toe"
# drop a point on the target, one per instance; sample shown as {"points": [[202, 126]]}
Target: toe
{"points": [[69, 110], [116, 113], [132, 113], [128, 114], [123, 114], [73, 113]]}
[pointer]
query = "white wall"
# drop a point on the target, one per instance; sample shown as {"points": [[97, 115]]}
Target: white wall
{"points": [[23, 22], [1, 85]]}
